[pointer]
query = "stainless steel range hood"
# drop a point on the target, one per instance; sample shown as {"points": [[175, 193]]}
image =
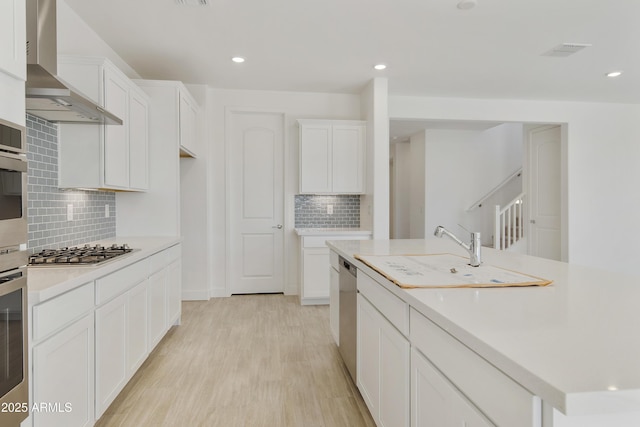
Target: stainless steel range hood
{"points": [[48, 96]]}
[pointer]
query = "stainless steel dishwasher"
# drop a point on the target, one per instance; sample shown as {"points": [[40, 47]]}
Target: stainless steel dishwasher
{"points": [[348, 303]]}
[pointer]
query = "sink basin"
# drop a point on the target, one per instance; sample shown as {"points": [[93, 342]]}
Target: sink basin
{"points": [[445, 271]]}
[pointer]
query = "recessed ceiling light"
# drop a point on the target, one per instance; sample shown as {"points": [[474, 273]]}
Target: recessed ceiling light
{"points": [[380, 66], [614, 74], [237, 59], [467, 4]]}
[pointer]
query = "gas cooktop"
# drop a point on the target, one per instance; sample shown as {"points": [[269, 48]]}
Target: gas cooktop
{"points": [[84, 255]]}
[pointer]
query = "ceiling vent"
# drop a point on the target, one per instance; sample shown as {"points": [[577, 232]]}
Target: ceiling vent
{"points": [[192, 2], [565, 49]]}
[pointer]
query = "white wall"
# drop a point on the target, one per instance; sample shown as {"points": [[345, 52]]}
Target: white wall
{"points": [[417, 186], [401, 197], [461, 167], [374, 205], [75, 37], [294, 106], [194, 215], [601, 150]]}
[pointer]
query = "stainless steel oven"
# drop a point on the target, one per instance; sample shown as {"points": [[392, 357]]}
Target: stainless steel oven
{"points": [[13, 185], [14, 381]]}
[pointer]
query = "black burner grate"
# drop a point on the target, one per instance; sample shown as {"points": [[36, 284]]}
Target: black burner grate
{"points": [[84, 255]]}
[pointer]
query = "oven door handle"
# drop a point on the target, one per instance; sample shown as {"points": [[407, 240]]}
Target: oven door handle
{"points": [[12, 164], [19, 273]]}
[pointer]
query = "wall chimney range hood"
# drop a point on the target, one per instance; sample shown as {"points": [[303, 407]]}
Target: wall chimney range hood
{"points": [[47, 95]]}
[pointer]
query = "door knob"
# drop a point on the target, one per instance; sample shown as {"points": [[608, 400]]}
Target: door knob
{"points": [[279, 226]]}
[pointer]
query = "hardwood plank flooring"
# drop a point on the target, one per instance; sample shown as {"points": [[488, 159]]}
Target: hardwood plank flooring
{"points": [[247, 360]]}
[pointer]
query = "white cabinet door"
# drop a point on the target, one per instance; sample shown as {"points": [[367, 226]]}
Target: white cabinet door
{"points": [[436, 402], [334, 303], [368, 355], [157, 306], [13, 57], [315, 278], [105, 156], [116, 139], [188, 132], [315, 158], [138, 141], [174, 293], [137, 348], [394, 376], [348, 159], [332, 157], [383, 367], [111, 352], [63, 371]]}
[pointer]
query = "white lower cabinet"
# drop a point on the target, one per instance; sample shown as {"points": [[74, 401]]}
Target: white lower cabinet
{"points": [[157, 307], [63, 367], [334, 301], [111, 352], [383, 367], [81, 365], [174, 293], [137, 342], [482, 393], [436, 402], [121, 343], [315, 276]]}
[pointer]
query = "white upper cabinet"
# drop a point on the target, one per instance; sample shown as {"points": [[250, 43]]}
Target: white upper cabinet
{"points": [[138, 139], [332, 156], [13, 53], [188, 131], [109, 157]]}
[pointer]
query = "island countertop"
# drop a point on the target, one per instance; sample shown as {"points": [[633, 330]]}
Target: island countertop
{"points": [[573, 343]]}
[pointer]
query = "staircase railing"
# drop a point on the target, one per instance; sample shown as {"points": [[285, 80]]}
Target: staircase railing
{"points": [[494, 190], [508, 225]]}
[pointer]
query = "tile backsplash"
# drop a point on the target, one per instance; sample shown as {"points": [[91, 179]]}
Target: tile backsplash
{"points": [[47, 205], [311, 211]]}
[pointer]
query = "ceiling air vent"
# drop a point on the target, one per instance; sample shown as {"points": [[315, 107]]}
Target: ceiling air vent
{"points": [[565, 49], [192, 2]]}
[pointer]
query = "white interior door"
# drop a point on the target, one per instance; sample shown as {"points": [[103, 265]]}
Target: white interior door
{"points": [[545, 183], [255, 198]]}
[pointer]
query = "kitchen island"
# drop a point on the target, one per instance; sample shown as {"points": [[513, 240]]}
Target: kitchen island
{"points": [[569, 350]]}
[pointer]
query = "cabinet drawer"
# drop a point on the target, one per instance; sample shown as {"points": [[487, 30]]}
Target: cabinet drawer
{"points": [[157, 262], [54, 314], [391, 307], [501, 399], [172, 253], [116, 283]]}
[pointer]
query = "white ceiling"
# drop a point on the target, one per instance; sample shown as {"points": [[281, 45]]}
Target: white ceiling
{"points": [[430, 46]]}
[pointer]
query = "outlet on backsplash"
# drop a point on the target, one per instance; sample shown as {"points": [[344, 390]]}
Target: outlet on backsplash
{"points": [[339, 211]]}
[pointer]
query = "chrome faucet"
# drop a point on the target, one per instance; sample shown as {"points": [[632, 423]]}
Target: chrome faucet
{"points": [[473, 247]]}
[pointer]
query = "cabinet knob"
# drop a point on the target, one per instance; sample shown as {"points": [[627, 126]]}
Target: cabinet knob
{"points": [[279, 226]]}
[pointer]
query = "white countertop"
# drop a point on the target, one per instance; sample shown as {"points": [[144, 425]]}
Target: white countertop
{"points": [[332, 231], [47, 282], [574, 343]]}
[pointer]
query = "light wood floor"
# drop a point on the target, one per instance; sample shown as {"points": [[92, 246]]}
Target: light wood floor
{"points": [[249, 360]]}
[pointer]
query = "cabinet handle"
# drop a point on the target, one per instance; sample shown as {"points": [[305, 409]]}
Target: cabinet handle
{"points": [[279, 226]]}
